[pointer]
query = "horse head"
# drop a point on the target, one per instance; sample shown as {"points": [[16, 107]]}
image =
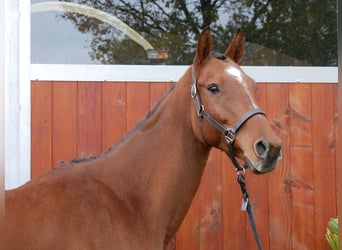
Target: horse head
{"points": [[226, 114]]}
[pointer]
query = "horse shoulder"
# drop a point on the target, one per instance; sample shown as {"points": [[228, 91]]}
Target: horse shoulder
{"points": [[68, 205]]}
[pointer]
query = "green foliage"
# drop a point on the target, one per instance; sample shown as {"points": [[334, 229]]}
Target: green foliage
{"points": [[332, 233]]}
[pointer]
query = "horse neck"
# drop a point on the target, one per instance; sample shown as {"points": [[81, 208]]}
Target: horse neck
{"points": [[158, 168]]}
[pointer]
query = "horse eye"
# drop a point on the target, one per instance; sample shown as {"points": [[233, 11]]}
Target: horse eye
{"points": [[213, 88]]}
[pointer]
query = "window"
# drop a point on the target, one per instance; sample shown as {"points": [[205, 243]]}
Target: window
{"points": [[280, 33]]}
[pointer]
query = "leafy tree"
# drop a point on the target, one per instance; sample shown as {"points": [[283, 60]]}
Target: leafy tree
{"points": [[303, 30], [306, 30]]}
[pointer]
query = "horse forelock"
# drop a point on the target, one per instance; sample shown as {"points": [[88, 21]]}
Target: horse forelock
{"points": [[219, 55]]}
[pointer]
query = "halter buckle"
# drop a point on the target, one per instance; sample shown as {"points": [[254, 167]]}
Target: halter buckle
{"points": [[230, 136], [200, 111]]}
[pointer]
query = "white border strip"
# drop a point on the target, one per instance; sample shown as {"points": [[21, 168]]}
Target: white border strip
{"points": [[17, 93], [3, 38], [163, 73]]}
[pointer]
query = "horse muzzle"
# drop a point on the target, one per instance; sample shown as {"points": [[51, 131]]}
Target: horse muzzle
{"points": [[268, 155]]}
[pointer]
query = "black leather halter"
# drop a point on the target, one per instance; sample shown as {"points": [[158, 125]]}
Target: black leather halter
{"points": [[229, 133]]}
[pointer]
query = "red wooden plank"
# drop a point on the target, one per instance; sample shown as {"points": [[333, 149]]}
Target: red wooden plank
{"points": [[113, 112], [210, 204], [64, 122], [301, 167], [301, 121], [323, 128], [187, 237], [89, 119], [138, 102], [41, 127], [158, 89], [280, 212]]}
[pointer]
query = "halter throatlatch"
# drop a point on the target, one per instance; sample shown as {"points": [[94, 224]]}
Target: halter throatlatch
{"points": [[229, 134]]}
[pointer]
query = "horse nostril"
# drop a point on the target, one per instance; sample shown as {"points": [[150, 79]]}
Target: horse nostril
{"points": [[261, 148]]}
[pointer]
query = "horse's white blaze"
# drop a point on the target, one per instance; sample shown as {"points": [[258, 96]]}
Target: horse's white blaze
{"points": [[240, 76]]}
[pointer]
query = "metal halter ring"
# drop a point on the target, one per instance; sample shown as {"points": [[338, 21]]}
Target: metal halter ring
{"points": [[230, 136], [193, 90]]}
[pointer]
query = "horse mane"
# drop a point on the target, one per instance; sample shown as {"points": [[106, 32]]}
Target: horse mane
{"points": [[215, 54], [127, 135], [152, 111]]}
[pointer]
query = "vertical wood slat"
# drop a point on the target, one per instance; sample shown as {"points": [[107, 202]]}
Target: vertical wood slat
{"points": [[114, 105], [89, 119], [138, 102], [299, 196], [158, 89], [41, 127], [210, 204], [301, 167], [187, 236], [280, 212], [324, 165], [64, 118]]}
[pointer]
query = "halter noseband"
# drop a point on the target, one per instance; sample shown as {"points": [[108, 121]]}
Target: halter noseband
{"points": [[229, 133]]}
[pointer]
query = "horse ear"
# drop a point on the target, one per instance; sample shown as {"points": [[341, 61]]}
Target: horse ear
{"points": [[236, 48], [204, 47]]}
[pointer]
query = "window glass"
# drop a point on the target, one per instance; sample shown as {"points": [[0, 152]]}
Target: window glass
{"points": [[284, 33]]}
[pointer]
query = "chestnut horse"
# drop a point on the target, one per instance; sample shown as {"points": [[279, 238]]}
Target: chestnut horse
{"points": [[135, 195]]}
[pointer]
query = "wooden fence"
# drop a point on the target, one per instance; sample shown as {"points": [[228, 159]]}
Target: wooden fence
{"points": [[292, 205]]}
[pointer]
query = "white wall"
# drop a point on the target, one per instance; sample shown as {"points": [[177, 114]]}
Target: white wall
{"points": [[16, 65], [2, 103], [163, 73]]}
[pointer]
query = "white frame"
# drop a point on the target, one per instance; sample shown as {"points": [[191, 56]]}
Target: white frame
{"points": [[2, 104], [164, 73], [17, 92]]}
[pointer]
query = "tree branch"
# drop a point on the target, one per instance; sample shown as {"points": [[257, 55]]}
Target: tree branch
{"points": [[189, 18]]}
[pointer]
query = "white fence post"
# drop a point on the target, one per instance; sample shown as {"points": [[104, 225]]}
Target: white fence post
{"points": [[17, 41], [2, 106]]}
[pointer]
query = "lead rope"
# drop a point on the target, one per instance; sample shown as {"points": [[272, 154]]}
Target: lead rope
{"points": [[241, 170], [247, 206]]}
